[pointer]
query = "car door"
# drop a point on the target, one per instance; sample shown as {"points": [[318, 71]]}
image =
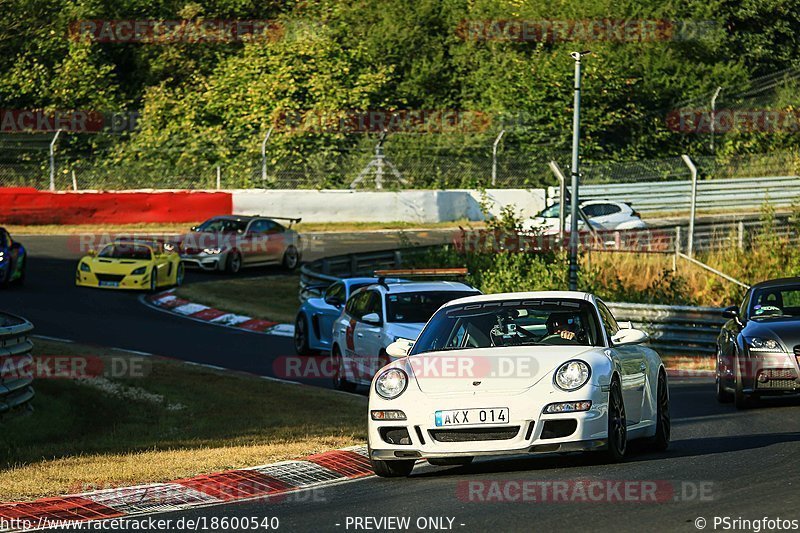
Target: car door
{"points": [[324, 316], [632, 366], [369, 338], [603, 214], [162, 267], [344, 331], [275, 239], [254, 244]]}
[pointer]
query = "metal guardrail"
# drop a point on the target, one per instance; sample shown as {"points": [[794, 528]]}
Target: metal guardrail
{"points": [[16, 391], [677, 330], [674, 329], [669, 196]]}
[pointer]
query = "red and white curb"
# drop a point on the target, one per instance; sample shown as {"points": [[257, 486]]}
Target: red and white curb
{"points": [[169, 302], [259, 482]]}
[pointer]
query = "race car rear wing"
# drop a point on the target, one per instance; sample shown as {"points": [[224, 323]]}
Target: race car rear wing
{"points": [[290, 219]]}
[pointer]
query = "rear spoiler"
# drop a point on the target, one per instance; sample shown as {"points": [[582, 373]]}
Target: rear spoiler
{"points": [[290, 219]]}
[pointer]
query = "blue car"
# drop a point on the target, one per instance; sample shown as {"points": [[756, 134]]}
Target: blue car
{"points": [[314, 322], [13, 258]]}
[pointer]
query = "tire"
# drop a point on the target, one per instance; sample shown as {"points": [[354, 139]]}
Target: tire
{"points": [[451, 461], [617, 425], [181, 272], [301, 335], [233, 263], [20, 281], [722, 395], [291, 258], [5, 278], [660, 440], [399, 468], [741, 400], [339, 380]]}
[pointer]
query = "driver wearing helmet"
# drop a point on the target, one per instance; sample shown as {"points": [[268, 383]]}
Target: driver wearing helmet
{"points": [[564, 325]]}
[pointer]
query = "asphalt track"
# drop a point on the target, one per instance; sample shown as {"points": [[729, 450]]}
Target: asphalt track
{"points": [[117, 319], [721, 463]]}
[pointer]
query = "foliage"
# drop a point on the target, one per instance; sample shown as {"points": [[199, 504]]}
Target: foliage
{"points": [[211, 103]]}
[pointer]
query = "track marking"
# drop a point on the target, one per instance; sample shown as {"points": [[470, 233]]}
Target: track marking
{"points": [[49, 338]]}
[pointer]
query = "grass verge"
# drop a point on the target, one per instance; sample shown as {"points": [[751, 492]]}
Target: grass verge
{"points": [[266, 297], [57, 229], [175, 421]]}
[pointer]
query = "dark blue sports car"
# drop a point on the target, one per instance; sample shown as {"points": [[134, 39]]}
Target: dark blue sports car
{"points": [[13, 259], [314, 322]]}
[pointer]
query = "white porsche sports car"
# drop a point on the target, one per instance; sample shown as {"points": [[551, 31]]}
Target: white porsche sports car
{"points": [[516, 373]]}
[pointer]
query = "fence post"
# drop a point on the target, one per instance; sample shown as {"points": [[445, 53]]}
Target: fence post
{"points": [[219, 177], [494, 157], [693, 211], [741, 235], [53, 161], [677, 248], [74, 181]]}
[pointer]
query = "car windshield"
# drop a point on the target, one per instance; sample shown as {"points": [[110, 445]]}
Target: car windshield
{"points": [[775, 302], [223, 225], [126, 251], [417, 307], [551, 212], [544, 322]]}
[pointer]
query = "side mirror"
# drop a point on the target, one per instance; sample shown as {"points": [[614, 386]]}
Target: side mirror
{"points": [[731, 312], [193, 228], [399, 348], [371, 318], [92, 252], [629, 336], [335, 302]]}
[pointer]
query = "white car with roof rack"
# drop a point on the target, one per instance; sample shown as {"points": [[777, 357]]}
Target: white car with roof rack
{"points": [[516, 373], [379, 314]]}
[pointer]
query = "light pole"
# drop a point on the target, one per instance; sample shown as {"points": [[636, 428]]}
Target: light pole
{"points": [[576, 137], [714, 116]]}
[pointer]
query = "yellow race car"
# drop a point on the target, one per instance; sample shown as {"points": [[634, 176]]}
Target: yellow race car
{"points": [[130, 264]]}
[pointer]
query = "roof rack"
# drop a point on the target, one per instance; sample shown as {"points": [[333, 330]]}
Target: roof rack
{"points": [[382, 274]]}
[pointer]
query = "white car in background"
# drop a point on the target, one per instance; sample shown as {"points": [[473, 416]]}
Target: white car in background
{"points": [[602, 215], [516, 373], [376, 316]]}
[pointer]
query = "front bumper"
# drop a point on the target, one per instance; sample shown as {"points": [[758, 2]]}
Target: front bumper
{"points": [[770, 374], [575, 431], [129, 282], [204, 261]]}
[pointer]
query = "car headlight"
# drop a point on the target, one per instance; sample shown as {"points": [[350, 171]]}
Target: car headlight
{"points": [[391, 383], [85, 268], [2, 256], [212, 251], [139, 271], [572, 375], [760, 344]]}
